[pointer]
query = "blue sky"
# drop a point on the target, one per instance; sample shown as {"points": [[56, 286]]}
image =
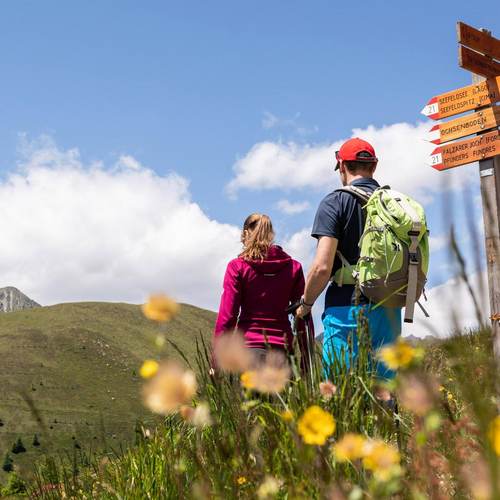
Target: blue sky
{"points": [[192, 87]]}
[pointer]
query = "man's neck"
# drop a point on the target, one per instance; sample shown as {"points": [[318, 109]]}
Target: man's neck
{"points": [[352, 178]]}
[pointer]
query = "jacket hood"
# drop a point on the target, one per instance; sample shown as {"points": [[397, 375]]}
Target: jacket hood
{"points": [[275, 260]]}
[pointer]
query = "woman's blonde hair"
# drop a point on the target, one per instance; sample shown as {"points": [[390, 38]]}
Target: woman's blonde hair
{"points": [[257, 236]]}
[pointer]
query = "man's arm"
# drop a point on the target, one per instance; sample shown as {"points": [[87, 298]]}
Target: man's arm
{"points": [[319, 273]]}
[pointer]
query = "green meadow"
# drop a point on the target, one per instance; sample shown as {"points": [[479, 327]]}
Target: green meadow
{"points": [[70, 375]]}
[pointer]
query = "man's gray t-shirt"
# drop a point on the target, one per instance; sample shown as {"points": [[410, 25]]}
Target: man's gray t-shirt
{"points": [[340, 215]]}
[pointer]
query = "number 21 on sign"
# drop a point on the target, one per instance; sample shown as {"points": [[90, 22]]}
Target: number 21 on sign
{"points": [[436, 159], [432, 108]]}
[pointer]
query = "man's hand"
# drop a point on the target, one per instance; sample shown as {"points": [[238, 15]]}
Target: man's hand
{"points": [[303, 311]]}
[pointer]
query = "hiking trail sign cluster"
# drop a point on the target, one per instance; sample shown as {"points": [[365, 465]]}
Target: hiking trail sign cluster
{"points": [[479, 53]]}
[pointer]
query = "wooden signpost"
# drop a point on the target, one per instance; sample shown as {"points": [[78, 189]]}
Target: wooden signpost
{"points": [[478, 40], [477, 63], [479, 52]]}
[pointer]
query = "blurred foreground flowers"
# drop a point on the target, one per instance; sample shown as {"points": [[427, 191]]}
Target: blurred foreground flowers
{"points": [[494, 434], [244, 426], [400, 354], [316, 425], [231, 354], [351, 447], [382, 459], [171, 387], [327, 389], [160, 308], [149, 368], [272, 375]]}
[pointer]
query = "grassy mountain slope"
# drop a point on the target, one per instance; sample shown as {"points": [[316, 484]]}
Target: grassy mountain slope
{"points": [[77, 363]]}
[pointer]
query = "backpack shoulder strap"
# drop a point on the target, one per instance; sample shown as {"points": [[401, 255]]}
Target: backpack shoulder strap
{"points": [[356, 191]]}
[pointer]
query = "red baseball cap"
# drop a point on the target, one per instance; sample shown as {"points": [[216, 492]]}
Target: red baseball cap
{"points": [[355, 149]]}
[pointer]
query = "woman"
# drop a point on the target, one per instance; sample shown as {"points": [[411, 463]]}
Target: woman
{"points": [[259, 286]]}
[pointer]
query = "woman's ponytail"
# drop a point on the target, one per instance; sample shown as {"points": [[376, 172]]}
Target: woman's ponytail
{"points": [[257, 237]]}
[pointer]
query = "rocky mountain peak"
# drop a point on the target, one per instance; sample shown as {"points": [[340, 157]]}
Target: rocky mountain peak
{"points": [[12, 299]]}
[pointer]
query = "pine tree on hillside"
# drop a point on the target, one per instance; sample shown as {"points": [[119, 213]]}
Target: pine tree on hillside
{"points": [[8, 464], [36, 442], [18, 447]]}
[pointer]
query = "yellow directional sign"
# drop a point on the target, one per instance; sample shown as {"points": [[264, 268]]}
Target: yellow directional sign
{"points": [[466, 125], [463, 99], [463, 152]]}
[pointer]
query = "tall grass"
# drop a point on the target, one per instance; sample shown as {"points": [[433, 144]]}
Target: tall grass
{"points": [[253, 449]]}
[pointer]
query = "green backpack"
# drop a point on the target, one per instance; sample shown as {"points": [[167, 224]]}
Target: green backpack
{"points": [[394, 250]]}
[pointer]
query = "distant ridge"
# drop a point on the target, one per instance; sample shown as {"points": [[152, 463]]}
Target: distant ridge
{"points": [[12, 299]]}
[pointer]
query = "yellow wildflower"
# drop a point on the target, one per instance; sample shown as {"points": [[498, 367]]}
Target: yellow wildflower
{"points": [[160, 308], [170, 388], [316, 425], [494, 434], [399, 355], [382, 459], [350, 447], [287, 415], [149, 368], [247, 379], [241, 480]]}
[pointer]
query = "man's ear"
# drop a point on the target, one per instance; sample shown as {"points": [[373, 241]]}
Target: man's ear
{"points": [[374, 166]]}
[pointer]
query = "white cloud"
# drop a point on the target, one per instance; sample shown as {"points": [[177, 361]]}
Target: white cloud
{"points": [[73, 231], [292, 208], [439, 242], [401, 148], [270, 120], [301, 246], [127, 161], [79, 232], [450, 306]]}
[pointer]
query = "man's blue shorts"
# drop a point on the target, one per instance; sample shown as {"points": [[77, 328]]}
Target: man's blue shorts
{"points": [[340, 323]]}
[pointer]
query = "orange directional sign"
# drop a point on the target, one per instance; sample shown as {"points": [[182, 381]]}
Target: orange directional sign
{"points": [[466, 125], [463, 152], [478, 40], [477, 63], [463, 99]]}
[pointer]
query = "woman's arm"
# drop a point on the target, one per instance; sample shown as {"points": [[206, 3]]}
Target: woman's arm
{"points": [[229, 308]]}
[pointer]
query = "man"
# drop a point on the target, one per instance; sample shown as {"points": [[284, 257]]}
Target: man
{"points": [[338, 226]]}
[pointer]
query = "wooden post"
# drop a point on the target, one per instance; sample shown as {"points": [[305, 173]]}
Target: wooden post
{"points": [[489, 172]]}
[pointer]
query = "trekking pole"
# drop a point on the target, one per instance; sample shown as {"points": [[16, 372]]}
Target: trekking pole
{"points": [[310, 345], [307, 325]]}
